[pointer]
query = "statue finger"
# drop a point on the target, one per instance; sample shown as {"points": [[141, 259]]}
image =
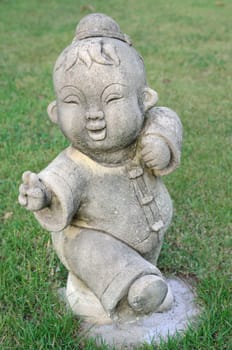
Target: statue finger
{"points": [[33, 180], [23, 189], [22, 200], [151, 164], [35, 192], [26, 177], [150, 158], [146, 153], [145, 140]]}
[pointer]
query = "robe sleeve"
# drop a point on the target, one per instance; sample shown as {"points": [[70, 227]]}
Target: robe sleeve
{"points": [[63, 179], [165, 123]]}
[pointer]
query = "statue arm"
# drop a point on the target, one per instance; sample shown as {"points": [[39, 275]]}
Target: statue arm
{"points": [[62, 180], [161, 141]]}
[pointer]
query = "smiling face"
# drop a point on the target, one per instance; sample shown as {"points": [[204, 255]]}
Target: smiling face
{"points": [[100, 110], [99, 104]]}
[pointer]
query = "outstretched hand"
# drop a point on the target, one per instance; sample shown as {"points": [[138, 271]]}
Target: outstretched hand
{"points": [[155, 153], [33, 194]]}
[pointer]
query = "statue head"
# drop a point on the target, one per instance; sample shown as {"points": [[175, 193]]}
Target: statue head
{"points": [[101, 90]]}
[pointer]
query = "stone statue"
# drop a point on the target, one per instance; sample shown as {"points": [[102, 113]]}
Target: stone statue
{"points": [[103, 198]]}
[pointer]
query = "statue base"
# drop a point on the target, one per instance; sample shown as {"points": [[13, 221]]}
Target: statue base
{"points": [[151, 328]]}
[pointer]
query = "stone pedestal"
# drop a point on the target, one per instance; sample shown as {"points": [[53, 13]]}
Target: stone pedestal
{"points": [[150, 329]]}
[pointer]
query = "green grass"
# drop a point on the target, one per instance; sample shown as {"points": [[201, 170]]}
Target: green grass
{"points": [[187, 50]]}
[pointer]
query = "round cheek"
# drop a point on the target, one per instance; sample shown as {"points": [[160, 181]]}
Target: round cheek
{"points": [[124, 121], [71, 121]]}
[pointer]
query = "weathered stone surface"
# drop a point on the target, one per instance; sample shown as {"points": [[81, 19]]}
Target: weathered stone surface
{"points": [[150, 329], [147, 293], [103, 198]]}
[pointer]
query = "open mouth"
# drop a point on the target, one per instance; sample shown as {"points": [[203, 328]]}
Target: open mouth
{"points": [[96, 130], [97, 135]]}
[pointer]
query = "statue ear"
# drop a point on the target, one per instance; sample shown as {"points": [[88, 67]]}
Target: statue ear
{"points": [[150, 97], [52, 111]]}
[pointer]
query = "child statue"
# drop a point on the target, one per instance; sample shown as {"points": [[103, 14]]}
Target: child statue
{"points": [[102, 198]]}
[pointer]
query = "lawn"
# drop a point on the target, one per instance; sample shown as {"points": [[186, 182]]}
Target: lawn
{"points": [[186, 46]]}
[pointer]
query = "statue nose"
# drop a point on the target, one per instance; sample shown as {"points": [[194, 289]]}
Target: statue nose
{"points": [[96, 115]]}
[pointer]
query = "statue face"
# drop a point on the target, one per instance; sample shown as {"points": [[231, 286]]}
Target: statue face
{"points": [[98, 108]]}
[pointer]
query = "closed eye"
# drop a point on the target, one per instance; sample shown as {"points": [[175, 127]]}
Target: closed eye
{"points": [[72, 99], [113, 98]]}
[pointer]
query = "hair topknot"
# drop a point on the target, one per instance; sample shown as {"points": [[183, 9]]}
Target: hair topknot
{"points": [[99, 25]]}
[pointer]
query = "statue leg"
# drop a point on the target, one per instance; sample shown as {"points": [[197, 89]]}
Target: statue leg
{"points": [[114, 272]]}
